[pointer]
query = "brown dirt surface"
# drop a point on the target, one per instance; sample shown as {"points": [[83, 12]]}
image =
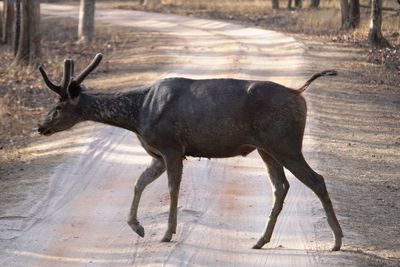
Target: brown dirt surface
{"points": [[358, 123]]}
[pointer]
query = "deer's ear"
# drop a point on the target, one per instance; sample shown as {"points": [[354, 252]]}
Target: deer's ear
{"points": [[73, 92]]}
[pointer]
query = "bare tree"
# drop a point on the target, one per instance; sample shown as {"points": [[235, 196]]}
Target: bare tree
{"points": [[275, 4], [86, 21], [314, 3], [29, 38], [289, 4], [345, 9], [17, 26], [354, 18], [8, 19], [375, 36], [350, 13]]}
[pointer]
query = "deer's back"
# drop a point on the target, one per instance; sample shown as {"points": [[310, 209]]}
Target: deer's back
{"points": [[217, 117]]}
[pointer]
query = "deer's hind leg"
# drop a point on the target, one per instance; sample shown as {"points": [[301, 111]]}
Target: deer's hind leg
{"points": [[156, 168], [297, 165], [280, 187], [174, 171]]}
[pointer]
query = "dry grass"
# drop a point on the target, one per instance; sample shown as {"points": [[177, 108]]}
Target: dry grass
{"points": [[322, 21], [238, 7]]}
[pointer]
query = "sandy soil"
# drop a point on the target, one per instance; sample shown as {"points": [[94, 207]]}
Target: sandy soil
{"points": [[76, 213]]}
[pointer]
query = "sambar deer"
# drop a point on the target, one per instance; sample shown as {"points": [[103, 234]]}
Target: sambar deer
{"points": [[213, 118]]}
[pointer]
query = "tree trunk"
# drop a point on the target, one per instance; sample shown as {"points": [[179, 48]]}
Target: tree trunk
{"points": [[354, 20], [289, 4], [29, 40], [35, 36], [86, 21], [375, 36], [275, 4], [314, 4], [1, 26], [17, 26], [8, 19], [345, 9], [298, 3]]}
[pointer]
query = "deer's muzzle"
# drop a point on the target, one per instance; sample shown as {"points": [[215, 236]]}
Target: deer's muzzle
{"points": [[43, 131]]}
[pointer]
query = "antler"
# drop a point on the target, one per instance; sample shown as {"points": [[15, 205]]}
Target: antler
{"points": [[72, 68], [49, 83], [96, 61], [67, 76], [61, 89]]}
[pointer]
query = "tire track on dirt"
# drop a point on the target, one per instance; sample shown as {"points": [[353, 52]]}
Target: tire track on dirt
{"points": [[223, 204]]}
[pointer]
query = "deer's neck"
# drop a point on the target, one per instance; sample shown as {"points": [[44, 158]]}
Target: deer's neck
{"points": [[119, 109]]}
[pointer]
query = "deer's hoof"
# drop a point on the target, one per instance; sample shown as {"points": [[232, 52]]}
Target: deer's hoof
{"points": [[336, 247], [338, 244], [259, 245], [137, 228], [167, 237]]}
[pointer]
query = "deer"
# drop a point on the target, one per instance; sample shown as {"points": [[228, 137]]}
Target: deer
{"points": [[210, 118]]}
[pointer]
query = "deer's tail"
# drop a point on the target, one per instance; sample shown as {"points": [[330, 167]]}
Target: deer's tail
{"points": [[316, 76]]}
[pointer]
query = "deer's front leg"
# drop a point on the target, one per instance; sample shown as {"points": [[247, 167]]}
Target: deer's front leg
{"points": [[174, 170], [156, 168]]}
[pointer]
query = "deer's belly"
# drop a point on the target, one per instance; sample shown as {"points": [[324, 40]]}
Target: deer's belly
{"points": [[217, 151]]}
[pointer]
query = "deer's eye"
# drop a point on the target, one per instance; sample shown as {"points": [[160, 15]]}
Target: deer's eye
{"points": [[56, 113]]}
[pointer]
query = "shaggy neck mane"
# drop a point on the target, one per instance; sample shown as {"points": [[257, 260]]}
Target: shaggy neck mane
{"points": [[116, 109]]}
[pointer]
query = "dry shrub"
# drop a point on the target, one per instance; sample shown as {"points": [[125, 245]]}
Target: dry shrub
{"points": [[322, 21]]}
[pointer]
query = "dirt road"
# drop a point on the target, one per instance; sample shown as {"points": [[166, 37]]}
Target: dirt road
{"points": [[224, 204]]}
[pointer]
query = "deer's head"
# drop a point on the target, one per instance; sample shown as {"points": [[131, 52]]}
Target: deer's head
{"points": [[66, 113]]}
